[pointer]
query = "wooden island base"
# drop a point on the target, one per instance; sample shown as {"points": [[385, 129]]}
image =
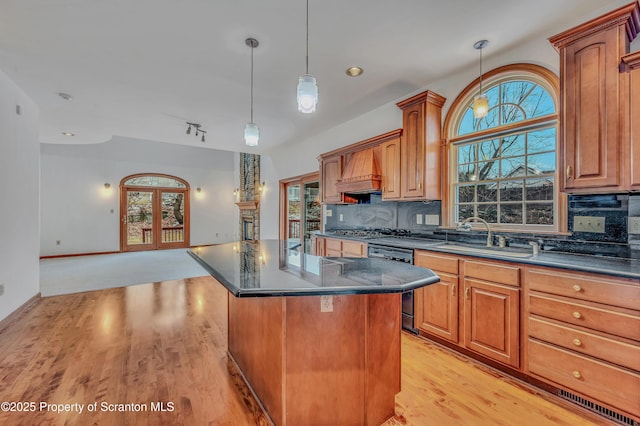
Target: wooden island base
{"points": [[309, 366]]}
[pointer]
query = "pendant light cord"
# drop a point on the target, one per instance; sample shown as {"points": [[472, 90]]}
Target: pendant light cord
{"points": [[481, 69], [252, 82], [307, 72]]}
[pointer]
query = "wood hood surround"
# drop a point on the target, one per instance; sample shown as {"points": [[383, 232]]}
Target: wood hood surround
{"points": [[361, 173]]}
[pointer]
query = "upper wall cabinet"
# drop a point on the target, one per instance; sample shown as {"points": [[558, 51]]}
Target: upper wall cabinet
{"points": [[421, 146], [330, 172], [594, 125], [632, 71]]}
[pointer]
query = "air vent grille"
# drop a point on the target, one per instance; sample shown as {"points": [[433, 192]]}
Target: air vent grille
{"points": [[599, 409]]}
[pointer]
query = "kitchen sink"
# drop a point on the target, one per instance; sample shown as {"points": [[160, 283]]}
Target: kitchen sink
{"points": [[496, 251]]}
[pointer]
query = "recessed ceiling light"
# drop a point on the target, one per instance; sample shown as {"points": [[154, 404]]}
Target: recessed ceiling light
{"points": [[354, 71], [65, 96], [68, 134]]}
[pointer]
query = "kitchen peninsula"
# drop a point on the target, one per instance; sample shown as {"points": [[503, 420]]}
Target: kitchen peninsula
{"points": [[316, 338]]}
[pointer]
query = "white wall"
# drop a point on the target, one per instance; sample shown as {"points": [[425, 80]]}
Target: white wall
{"points": [[77, 212], [19, 191]]}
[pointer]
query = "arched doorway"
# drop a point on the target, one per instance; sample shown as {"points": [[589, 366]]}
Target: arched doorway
{"points": [[154, 212]]}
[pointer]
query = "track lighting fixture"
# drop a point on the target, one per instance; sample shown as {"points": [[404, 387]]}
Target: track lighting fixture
{"points": [[198, 128]]}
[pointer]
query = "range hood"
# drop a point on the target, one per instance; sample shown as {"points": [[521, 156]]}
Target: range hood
{"points": [[361, 174]]}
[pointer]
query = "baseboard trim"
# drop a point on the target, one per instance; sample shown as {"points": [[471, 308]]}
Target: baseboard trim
{"points": [[78, 254], [21, 310]]}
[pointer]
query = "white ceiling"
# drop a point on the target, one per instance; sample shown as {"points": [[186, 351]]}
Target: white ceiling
{"points": [[142, 68]]}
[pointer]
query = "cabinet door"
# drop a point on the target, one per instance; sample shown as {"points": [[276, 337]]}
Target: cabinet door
{"points": [[333, 247], [330, 172], [634, 126], [412, 151], [590, 122], [437, 307], [390, 159], [491, 325], [318, 247], [353, 249]]}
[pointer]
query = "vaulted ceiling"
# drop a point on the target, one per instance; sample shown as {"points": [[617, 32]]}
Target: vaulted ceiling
{"points": [[144, 68]]}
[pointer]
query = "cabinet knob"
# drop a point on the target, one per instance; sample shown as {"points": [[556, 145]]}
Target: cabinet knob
{"points": [[569, 172], [577, 342], [577, 374], [577, 314], [576, 287]]}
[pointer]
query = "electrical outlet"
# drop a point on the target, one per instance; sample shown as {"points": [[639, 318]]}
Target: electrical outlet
{"points": [[341, 217], [431, 219], [329, 213], [419, 219], [326, 303], [594, 224], [1, 289], [634, 225]]}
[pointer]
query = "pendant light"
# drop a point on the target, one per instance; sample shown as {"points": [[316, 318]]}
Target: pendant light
{"points": [[307, 86], [251, 131], [480, 101]]}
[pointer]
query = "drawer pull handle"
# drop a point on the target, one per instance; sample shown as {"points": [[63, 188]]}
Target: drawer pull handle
{"points": [[577, 342], [569, 172], [453, 289], [466, 293], [577, 315], [577, 287], [577, 374]]}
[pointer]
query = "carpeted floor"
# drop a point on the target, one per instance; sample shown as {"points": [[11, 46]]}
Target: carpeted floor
{"points": [[85, 273]]}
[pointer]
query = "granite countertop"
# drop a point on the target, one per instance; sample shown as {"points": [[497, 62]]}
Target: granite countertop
{"points": [[270, 268], [615, 266]]}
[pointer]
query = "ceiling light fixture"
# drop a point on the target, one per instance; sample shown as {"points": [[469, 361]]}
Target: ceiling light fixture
{"points": [[198, 128], [307, 86], [480, 101], [354, 71], [68, 134], [65, 96], [251, 131]]}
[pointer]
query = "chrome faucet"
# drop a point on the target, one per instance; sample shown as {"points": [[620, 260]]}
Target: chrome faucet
{"points": [[466, 226]]}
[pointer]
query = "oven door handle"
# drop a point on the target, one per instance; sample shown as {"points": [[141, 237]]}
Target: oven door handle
{"points": [[381, 256]]}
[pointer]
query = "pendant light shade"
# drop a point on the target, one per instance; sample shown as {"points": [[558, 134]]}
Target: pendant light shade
{"points": [[480, 101], [251, 134], [307, 94], [251, 131]]}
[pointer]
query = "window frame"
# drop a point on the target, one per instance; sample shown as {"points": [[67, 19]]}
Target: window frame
{"points": [[521, 71]]}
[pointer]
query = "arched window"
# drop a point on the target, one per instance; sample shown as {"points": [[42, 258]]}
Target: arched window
{"points": [[503, 166]]}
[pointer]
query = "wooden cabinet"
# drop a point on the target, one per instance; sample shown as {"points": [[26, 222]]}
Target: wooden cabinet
{"points": [[390, 164], [583, 335], [421, 146], [436, 305], [336, 247], [632, 99], [330, 172], [593, 133], [486, 310]]}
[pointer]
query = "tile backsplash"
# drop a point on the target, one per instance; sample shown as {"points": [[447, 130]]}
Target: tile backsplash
{"points": [[615, 210]]}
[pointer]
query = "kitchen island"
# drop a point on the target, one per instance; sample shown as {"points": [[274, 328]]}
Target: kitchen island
{"points": [[316, 338]]}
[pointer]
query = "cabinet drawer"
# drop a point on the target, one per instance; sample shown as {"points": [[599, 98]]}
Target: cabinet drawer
{"points": [[625, 293], [353, 249], [614, 351], [604, 382], [496, 273], [438, 262], [619, 322]]}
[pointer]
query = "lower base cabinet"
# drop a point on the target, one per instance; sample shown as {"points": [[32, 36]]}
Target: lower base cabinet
{"points": [[483, 317], [336, 247]]}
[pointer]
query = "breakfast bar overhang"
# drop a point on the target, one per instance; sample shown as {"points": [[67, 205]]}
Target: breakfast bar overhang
{"points": [[317, 339]]}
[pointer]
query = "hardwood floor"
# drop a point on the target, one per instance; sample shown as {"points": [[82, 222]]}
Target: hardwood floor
{"points": [[163, 345]]}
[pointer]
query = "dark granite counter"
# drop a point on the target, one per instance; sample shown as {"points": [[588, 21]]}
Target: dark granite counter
{"points": [[614, 266], [269, 268]]}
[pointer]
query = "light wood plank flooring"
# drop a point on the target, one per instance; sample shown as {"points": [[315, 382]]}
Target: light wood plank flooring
{"points": [[166, 343]]}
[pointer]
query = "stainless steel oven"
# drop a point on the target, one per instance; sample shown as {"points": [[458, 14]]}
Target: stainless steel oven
{"points": [[405, 256]]}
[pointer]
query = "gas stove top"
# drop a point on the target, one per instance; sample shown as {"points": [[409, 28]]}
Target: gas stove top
{"points": [[371, 233]]}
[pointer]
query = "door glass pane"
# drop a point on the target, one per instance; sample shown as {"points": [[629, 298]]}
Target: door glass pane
{"points": [[312, 212], [172, 217], [293, 214], [139, 217]]}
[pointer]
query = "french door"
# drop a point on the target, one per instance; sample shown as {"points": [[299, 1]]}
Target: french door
{"points": [[300, 211], [153, 218]]}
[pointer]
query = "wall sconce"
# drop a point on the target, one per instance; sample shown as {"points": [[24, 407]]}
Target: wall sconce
{"points": [[107, 185], [263, 186], [236, 192], [198, 190], [198, 128]]}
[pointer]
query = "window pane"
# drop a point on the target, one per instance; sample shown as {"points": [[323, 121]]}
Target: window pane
{"points": [[540, 189], [511, 113], [467, 173], [468, 123], [466, 193], [538, 103], [511, 213], [540, 214], [488, 150], [541, 140], [487, 170], [541, 163], [465, 211], [487, 192], [512, 167], [490, 120], [511, 190], [172, 217], [513, 145], [467, 153], [155, 181], [488, 212]]}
